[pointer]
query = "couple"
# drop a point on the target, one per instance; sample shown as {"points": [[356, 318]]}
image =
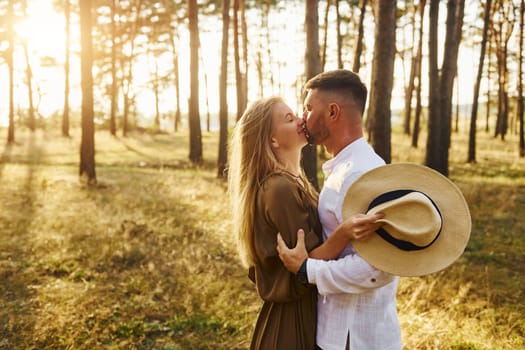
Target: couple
{"points": [[272, 199]]}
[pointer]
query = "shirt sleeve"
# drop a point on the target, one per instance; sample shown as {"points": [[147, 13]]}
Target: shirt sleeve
{"points": [[280, 209], [351, 274]]}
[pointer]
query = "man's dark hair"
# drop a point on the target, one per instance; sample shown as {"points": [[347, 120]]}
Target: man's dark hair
{"points": [[342, 81]]}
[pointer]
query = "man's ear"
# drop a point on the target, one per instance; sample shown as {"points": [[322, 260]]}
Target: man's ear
{"points": [[334, 110]]}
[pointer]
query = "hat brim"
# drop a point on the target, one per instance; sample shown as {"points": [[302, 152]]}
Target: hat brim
{"points": [[456, 225]]}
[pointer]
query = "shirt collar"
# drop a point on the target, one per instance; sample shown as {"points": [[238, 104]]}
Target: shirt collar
{"points": [[344, 154]]}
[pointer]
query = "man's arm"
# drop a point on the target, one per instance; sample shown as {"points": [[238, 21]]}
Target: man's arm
{"points": [[351, 274]]}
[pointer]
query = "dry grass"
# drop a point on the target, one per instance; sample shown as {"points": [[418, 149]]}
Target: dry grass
{"points": [[145, 261]]}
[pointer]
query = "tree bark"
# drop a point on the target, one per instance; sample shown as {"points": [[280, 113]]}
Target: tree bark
{"points": [[193, 108], [434, 145], [455, 11], [360, 35], [11, 69], [379, 113], [409, 91], [312, 68], [325, 35], [489, 90], [128, 63], [419, 60], [339, 36], [65, 113], [31, 122], [502, 29], [114, 82], [87, 143], [520, 83], [244, 28], [471, 157], [237, 58], [441, 86], [223, 93]]}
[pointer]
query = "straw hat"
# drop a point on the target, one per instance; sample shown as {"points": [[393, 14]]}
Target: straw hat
{"points": [[427, 220]]}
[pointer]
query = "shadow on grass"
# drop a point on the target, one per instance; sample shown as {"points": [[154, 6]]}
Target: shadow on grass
{"points": [[16, 279], [137, 266]]}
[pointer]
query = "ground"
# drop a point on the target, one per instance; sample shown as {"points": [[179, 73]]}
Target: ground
{"points": [[145, 260]]}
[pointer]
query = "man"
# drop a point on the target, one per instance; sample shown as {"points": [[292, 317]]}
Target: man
{"points": [[357, 303]]}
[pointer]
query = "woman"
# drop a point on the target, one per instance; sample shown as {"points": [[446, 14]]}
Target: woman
{"points": [[270, 195]]}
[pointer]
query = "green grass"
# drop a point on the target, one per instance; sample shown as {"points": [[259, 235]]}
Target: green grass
{"points": [[146, 261]]}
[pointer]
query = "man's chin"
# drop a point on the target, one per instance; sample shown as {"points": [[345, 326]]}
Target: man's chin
{"points": [[312, 141]]}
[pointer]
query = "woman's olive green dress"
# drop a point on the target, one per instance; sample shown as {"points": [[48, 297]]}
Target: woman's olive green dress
{"points": [[287, 320]]}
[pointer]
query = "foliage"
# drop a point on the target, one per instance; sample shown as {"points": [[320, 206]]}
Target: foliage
{"points": [[145, 260]]}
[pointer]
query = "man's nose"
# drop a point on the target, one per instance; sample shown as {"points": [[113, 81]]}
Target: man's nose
{"points": [[303, 118]]}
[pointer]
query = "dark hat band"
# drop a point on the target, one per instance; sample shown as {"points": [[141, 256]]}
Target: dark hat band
{"points": [[399, 243]]}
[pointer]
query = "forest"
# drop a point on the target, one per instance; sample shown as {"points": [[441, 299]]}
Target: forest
{"points": [[115, 119]]}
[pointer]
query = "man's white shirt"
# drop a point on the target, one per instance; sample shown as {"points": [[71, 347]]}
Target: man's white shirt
{"points": [[356, 300]]}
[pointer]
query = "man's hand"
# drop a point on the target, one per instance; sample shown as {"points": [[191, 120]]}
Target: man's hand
{"points": [[361, 226], [292, 258]]}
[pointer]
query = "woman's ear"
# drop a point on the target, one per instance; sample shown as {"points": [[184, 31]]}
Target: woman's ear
{"points": [[274, 143]]}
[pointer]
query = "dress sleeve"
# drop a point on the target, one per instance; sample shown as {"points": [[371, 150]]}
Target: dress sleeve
{"points": [[280, 208]]}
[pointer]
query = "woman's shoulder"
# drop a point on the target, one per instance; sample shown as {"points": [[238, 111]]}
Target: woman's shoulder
{"points": [[278, 181], [278, 187]]}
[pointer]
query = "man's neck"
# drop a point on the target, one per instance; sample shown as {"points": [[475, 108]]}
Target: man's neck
{"points": [[341, 143]]}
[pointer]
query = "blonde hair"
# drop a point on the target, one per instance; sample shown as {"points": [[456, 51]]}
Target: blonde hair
{"points": [[251, 161]]}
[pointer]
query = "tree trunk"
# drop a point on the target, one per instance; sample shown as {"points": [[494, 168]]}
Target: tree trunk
{"points": [[114, 82], [488, 104], [156, 94], [177, 119], [434, 145], [382, 78], [503, 26], [419, 60], [11, 69], [502, 116], [325, 35], [339, 36], [206, 92], [128, 63], [520, 83], [471, 158], [455, 11], [359, 40], [222, 160], [441, 87], [193, 108], [31, 122], [87, 143], [409, 91], [244, 27], [65, 113], [268, 43], [456, 119], [312, 68], [237, 58]]}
